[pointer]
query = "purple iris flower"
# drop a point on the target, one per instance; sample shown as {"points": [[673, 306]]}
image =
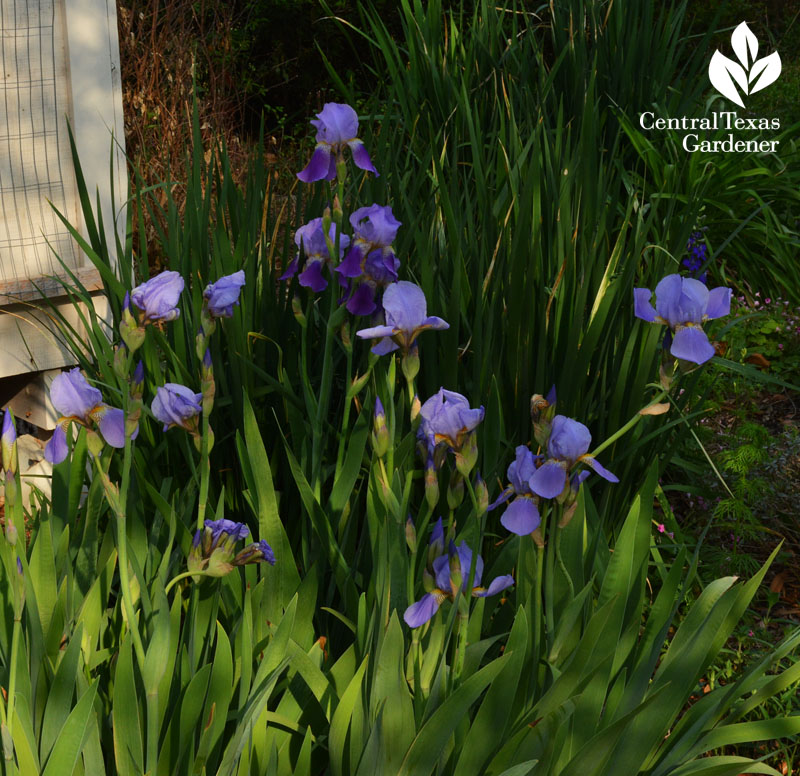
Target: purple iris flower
{"points": [[522, 515], [337, 128], [448, 419], [370, 257], [311, 238], [684, 304], [567, 446], [220, 297], [406, 316], [212, 548], [177, 405], [446, 587], [158, 297], [77, 401]]}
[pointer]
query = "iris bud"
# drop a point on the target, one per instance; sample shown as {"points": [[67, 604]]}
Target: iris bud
{"points": [[431, 484], [456, 574], [297, 310], [410, 363], [94, 442], [467, 456], [380, 434], [455, 491], [481, 495], [411, 535]]}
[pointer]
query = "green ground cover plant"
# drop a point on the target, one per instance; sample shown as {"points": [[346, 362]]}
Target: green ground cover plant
{"points": [[315, 507]]}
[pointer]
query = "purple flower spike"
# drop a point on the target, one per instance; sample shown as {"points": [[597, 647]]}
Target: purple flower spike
{"points": [[406, 316], [457, 560], [220, 297], [567, 446], [78, 402], [447, 418], [158, 297], [684, 304], [337, 128], [177, 405]]}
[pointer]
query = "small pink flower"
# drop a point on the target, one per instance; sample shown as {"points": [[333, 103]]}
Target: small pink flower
{"points": [[750, 633], [780, 346], [661, 528], [768, 300]]}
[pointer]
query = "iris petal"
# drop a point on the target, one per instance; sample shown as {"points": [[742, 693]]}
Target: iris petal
{"points": [[600, 469], [548, 482], [521, 517], [497, 585], [641, 304], [319, 166], [56, 450], [419, 613], [361, 156], [691, 344], [719, 302]]}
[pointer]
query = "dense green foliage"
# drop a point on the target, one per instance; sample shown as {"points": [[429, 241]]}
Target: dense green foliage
{"points": [[532, 204]]}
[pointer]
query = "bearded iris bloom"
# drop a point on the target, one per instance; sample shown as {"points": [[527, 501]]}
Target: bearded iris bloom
{"points": [[370, 257], [221, 296], [158, 297], [451, 576], [337, 129], [684, 304], [448, 420], [521, 516], [212, 552], [177, 405], [77, 401], [311, 239], [406, 316], [567, 447]]}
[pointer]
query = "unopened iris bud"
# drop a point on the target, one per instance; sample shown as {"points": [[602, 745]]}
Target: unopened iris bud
{"points": [[456, 574], [131, 333], [297, 310], [455, 491], [8, 444], [11, 532], [431, 484], [481, 495], [326, 227], [541, 433], [467, 456], [411, 535], [94, 442], [338, 213], [121, 361], [410, 363], [347, 342], [380, 434], [416, 406]]}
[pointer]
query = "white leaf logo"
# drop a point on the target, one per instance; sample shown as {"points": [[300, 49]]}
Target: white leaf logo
{"points": [[751, 75]]}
